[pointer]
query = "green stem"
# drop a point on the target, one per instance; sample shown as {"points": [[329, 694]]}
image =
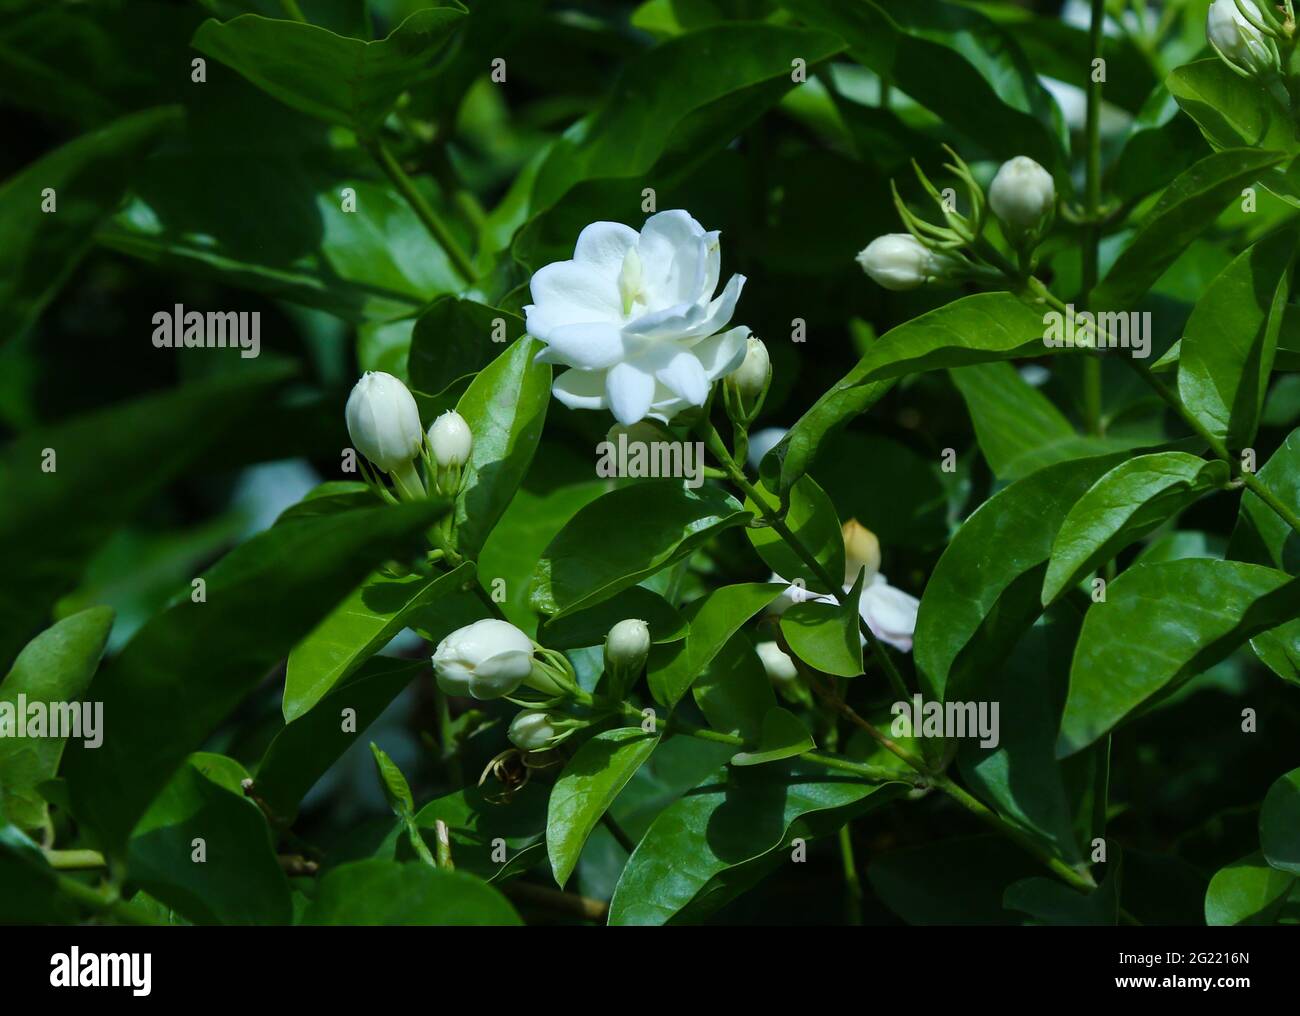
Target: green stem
{"points": [[713, 441], [623, 839], [1092, 205], [423, 210], [75, 860], [852, 882], [447, 738], [118, 909], [292, 9]]}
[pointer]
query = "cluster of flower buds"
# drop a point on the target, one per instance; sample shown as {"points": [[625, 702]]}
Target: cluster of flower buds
{"points": [[1245, 34], [1022, 197], [384, 425]]}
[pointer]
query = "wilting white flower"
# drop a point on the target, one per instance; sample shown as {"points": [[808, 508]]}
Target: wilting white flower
{"points": [[450, 439], [1022, 195], [762, 442], [890, 613], [485, 660], [1239, 43], [384, 421], [751, 376], [533, 730], [634, 316], [778, 665], [899, 261]]}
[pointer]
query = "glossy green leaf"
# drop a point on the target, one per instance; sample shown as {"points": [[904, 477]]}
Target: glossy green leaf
{"points": [[713, 619], [183, 673], [811, 516], [734, 692], [825, 635], [396, 790], [587, 786], [478, 822], [1228, 347], [55, 667], [382, 892], [359, 627], [589, 627], [599, 552], [303, 750], [1133, 499], [1247, 892], [335, 78], [31, 893], [1279, 823], [1159, 625], [984, 592], [116, 459], [238, 879], [1261, 535], [782, 736], [50, 210], [1186, 209], [505, 407], [454, 338], [734, 819], [1051, 902]]}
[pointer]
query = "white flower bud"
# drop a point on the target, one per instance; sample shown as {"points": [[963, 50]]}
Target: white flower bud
{"points": [[778, 665], [751, 376], [1022, 196], [533, 730], [628, 644], [450, 439], [484, 660], [899, 261], [384, 421], [1237, 41], [861, 550]]}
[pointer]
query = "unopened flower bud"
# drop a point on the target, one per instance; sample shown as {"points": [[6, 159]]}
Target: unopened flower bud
{"points": [[626, 648], [1239, 43], [861, 550], [484, 660], [384, 421], [1023, 196], [533, 730], [450, 439], [899, 261], [779, 666], [752, 375]]}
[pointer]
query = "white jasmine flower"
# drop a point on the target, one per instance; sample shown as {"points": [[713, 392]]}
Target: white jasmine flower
{"points": [[899, 261], [1239, 43], [1022, 195], [634, 316], [485, 660], [450, 439], [779, 666]]}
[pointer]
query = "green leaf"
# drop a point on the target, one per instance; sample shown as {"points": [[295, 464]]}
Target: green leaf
{"points": [[1246, 892], [1186, 209], [478, 825], [825, 635], [811, 516], [116, 459], [734, 692], [602, 550], [382, 892], [984, 592], [954, 62], [1159, 625], [1261, 535], [238, 881], [1279, 823], [190, 665], [734, 820], [454, 338], [952, 882], [42, 243], [335, 78], [589, 627], [1133, 499], [31, 893], [1228, 347], [303, 750], [1054, 903], [505, 407], [55, 667], [783, 736], [713, 620], [396, 790], [590, 782], [360, 626]]}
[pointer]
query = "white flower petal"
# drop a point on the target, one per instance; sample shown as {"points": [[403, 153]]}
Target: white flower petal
{"points": [[667, 323], [630, 391], [721, 354], [603, 245], [675, 258], [572, 293], [719, 311], [684, 376], [890, 613], [591, 346], [581, 389]]}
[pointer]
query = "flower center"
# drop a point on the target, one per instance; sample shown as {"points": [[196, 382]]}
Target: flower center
{"points": [[630, 281]]}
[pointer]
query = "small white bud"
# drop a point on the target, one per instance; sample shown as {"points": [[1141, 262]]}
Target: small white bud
{"points": [[861, 550], [384, 421], [533, 730], [778, 665], [450, 439], [899, 261], [628, 644], [751, 377], [1239, 43], [1023, 196], [484, 660]]}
